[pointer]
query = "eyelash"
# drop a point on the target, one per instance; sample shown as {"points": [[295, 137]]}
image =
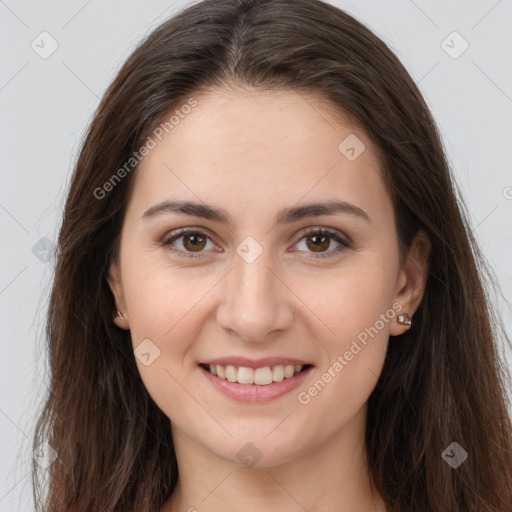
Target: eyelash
{"points": [[344, 244]]}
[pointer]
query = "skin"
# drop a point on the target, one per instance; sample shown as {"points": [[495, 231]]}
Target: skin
{"points": [[275, 150]]}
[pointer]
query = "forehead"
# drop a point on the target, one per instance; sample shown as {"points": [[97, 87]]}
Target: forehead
{"points": [[258, 148]]}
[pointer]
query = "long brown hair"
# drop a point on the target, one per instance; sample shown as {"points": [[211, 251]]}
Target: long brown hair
{"points": [[443, 381]]}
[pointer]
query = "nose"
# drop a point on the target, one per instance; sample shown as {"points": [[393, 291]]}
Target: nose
{"points": [[256, 304]]}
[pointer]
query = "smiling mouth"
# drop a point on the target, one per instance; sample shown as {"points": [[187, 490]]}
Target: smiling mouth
{"points": [[255, 376]]}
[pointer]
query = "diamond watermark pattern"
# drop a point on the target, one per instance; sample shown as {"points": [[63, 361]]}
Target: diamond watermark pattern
{"points": [[44, 45], [146, 352], [454, 455], [351, 147], [249, 249], [249, 455], [45, 455], [43, 250], [454, 45]]}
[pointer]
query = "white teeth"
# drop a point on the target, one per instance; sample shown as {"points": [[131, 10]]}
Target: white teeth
{"points": [[289, 369], [231, 373], [221, 370], [262, 376], [258, 376], [245, 375], [278, 373]]}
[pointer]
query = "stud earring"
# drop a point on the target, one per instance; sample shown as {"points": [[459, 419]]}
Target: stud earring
{"points": [[404, 319], [118, 312]]}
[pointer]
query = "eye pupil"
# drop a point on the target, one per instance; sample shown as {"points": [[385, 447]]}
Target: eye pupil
{"points": [[321, 239], [196, 240]]}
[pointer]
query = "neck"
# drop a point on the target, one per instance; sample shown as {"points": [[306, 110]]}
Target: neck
{"points": [[330, 477]]}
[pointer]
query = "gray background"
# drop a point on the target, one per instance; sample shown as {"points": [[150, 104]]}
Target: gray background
{"points": [[46, 105]]}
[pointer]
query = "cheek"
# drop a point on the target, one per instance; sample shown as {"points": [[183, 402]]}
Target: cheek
{"points": [[156, 294], [350, 299], [167, 306], [164, 305], [356, 306]]}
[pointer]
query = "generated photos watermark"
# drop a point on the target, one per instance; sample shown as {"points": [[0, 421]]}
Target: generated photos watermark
{"points": [[357, 345], [136, 157]]}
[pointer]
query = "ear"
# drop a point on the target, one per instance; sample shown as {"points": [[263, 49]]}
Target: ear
{"points": [[412, 279], [115, 283]]}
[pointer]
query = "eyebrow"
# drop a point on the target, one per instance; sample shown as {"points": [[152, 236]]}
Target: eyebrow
{"points": [[284, 216]]}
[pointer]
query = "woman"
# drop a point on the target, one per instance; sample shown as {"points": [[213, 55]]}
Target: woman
{"points": [[267, 296]]}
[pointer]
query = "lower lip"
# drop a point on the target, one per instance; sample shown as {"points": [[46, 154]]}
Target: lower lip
{"points": [[254, 392]]}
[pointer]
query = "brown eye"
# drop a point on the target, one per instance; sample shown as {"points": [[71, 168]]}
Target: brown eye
{"points": [[322, 243], [194, 242], [188, 243], [319, 242]]}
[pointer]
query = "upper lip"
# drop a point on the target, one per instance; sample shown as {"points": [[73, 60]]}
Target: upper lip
{"points": [[255, 363]]}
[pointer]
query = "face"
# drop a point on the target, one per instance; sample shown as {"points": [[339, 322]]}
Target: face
{"points": [[254, 284]]}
